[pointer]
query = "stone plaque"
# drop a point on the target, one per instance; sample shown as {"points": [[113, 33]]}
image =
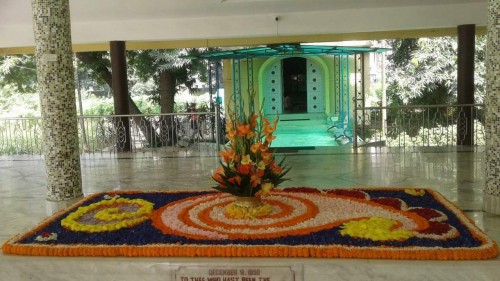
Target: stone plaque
{"points": [[49, 57], [235, 273]]}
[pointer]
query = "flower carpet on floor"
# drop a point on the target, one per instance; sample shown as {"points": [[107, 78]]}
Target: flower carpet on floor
{"points": [[386, 223]]}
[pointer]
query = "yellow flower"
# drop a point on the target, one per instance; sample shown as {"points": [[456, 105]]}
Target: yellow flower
{"points": [[239, 212], [415, 192], [261, 165], [376, 229], [111, 218], [230, 134], [245, 160], [266, 188]]}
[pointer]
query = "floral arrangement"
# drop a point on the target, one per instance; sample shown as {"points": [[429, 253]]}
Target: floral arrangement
{"points": [[388, 223], [248, 167]]}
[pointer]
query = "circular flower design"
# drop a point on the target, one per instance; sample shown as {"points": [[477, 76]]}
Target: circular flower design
{"points": [[108, 215], [203, 217]]}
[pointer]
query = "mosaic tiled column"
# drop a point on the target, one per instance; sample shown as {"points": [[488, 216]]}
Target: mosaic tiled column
{"points": [[492, 103], [56, 87]]}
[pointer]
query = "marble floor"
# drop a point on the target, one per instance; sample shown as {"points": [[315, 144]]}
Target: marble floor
{"points": [[458, 174]]}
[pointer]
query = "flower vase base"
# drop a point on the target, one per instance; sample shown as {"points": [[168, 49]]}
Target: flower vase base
{"points": [[248, 208]]}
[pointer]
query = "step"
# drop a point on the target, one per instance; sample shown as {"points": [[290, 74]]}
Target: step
{"points": [[301, 126], [298, 117]]}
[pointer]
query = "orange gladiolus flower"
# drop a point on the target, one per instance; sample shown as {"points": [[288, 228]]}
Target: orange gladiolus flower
{"points": [[255, 180], [270, 138], [227, 155], [275, 168], [260, 173], [220, 171], [263, 147], [235, 179], [250, 135], [268, 129], [230, 134], [254, 120], [255, 147], [218, 175], [243, 129], [266, 156], [245, 169]]}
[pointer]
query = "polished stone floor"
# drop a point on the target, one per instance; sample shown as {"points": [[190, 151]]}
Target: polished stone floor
{"points": [[459, 174]]}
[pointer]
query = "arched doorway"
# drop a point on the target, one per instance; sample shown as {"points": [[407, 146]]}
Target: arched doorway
{"points": [[293, 85]]}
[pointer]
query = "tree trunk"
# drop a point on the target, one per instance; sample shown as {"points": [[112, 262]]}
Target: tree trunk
{"points": [[167, 94], [144, 124], [120, 95], [147, 129]]}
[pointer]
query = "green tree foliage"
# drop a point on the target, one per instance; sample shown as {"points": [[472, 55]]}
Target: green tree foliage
{"points": [[171, 65], [17, 74], [18, 85], [145, 68], [424, 71], [402, 51], [94, 70]]}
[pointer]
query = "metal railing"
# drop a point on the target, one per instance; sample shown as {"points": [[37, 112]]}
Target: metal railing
{"points": [[404, 126], [422, 125], [108, 133]]}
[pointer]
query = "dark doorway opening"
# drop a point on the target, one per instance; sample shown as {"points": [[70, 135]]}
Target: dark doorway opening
{"points": [[294, 85]]}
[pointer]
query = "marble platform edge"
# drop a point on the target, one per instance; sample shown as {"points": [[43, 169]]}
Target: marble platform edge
{"points": [[145, 269]]}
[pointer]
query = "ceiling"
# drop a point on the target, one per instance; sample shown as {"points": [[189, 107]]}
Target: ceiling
{"points": [[205, 21]]}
